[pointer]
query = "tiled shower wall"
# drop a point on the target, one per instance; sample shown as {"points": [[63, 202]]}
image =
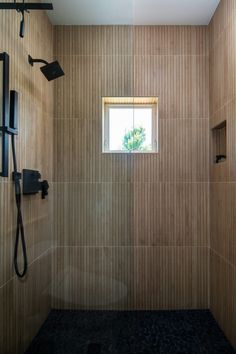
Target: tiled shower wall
{"points": [[25, 304], [132, 231], [223, 176]]}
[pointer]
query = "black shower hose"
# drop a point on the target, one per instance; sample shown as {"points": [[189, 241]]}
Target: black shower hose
{"points": [[20, 234]]}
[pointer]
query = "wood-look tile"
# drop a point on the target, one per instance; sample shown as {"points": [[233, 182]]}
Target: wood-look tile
{"points": [[175, 214], [93, 40], [93, 278], [180, 82], [118, 76], [171, 278], [127, 277], [223, 295], [184, 154], [145, 167], [223, 224], [78, 94], [34, 297], [184, 214], [222, 17], [146, 214], [93, 214], [24, 305], [9, 319], [171, 40], [88, 79], [223, 70], [231, 147], [222, 190], [105, 203], [79, 157]]}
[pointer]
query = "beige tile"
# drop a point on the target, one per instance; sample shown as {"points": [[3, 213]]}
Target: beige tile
{"points": [[126, 278], [222, 194], [171, 278], [184, 215], [93, 214], [78, 95], [93, 40], [175, 214], [105, 204], [184, 154], [221, 19], [171, 40], [180, 82], [23, 308], [79, 157], [93, 278], [223, 295], [223, 220], [24, 305], [223, 70]]}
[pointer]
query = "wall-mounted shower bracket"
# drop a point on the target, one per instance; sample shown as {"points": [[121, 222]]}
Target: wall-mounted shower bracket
{"points": [[9, 128], [23, 7], [4, 115]]}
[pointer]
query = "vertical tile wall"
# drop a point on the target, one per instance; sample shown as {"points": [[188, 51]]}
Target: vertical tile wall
{"points": [[223, 177], [25, 304], [131, 232]]}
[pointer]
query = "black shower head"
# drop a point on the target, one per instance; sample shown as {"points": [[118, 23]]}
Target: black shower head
{"points": [[51, 71]]}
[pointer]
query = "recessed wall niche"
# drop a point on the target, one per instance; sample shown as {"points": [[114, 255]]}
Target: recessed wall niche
{"points": [[219, 142]]}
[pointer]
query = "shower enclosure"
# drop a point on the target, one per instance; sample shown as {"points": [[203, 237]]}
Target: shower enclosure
{"points": [[140, 217]]}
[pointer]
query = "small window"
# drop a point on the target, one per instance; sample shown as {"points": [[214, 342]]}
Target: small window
{"points": [[130, 124]]}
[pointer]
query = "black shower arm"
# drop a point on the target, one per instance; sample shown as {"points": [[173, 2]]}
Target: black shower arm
{"points": [[32, 61]]}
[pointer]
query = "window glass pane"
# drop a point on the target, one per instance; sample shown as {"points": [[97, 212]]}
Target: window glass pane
{"points": [[143, 122], [120, 122], [130, 129]]}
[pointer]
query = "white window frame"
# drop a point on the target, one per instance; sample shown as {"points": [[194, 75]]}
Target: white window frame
{"points": [[148, 103]]}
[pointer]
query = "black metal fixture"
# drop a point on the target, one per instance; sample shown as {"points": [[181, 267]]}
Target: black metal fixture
{"points": [[23, 7], [4, 114], [220, 158], [51, 71], [20, 232], [32, 183]]}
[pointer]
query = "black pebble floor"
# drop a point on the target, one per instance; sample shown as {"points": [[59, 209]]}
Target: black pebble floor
{"points": [[133, 332]]}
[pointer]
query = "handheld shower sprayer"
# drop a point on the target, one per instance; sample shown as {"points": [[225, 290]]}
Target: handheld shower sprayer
{"points": [[30, 179], [20, 233], [31, 185]]}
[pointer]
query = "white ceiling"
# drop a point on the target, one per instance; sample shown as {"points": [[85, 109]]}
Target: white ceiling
{"points": [[139, 12]]}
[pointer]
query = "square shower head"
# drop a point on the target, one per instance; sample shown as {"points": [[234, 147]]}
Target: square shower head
{"points": [[52, 71]]}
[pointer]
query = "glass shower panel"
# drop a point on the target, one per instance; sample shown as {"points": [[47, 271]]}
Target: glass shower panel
{"points": [[1, 109], [96, 230]]}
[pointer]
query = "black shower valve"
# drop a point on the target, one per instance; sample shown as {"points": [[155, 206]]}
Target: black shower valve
{"points": [[32, 183]]}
